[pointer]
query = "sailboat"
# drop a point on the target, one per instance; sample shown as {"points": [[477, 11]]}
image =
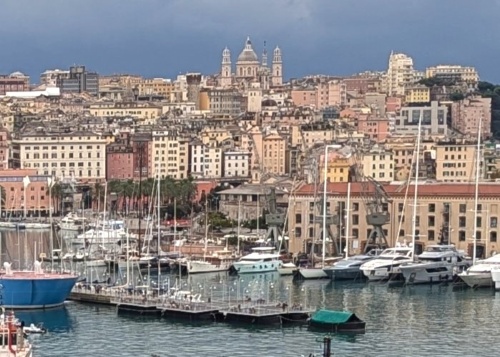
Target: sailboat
{"points": [[220, 260], [35, 289], [480, 273]]}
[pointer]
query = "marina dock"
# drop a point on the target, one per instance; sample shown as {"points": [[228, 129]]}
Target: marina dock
{"points": [[185, 307]]}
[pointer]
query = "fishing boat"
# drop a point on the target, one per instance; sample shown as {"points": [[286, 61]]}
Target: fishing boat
{"points": [[337, 321], [261, 260], [34, 289]]}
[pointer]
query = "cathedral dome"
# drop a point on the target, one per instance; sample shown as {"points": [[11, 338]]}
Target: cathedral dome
{"points": [[248, 54]]}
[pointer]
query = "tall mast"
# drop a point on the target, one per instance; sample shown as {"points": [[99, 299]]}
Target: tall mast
{"points": [[476, 191], [238, 229], [206, 229], [415, 189], [158, 213], [348, 214], [325, 168]]}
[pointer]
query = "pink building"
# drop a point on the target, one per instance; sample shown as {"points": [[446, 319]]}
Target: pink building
{"points": [[37, 192], [304, 97], [119, 162], [393, 104], [465, 116], [376, 128]]}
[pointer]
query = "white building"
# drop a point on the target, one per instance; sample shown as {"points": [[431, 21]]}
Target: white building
{"points": [[205, 160], [169, 155], [379, 164], [236, 164], [80, 155], [400, 73]]}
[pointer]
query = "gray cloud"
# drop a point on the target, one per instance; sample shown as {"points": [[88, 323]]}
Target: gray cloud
{"points": [[165, 37]]}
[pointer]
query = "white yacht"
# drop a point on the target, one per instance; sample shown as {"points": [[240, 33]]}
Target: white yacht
{"points": [[385, 264], [495, 277], [261, 260], [107, 232], [72, 222], [438, 263], [218, 261], [480, 274]]}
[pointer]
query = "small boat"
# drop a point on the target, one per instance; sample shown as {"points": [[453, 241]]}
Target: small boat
{"points": [[337, 321], [480, 274], [287, 269], [34, 329]]}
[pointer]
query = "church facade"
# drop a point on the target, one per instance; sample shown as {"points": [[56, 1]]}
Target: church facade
{"points": [[249, 70]]}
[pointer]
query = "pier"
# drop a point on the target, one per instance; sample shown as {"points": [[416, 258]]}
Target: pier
{"points": [[184, 305]]}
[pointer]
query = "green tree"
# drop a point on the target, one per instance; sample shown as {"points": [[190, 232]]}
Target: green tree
{"points": [[98, 192], [56, 193]]}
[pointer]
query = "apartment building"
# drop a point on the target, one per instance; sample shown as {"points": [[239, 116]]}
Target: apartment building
{"points": [[155, 86], [144, 112], [169, 154], [379, 164], [417, 94], [331, 92], [400, 74], [236, 164], [119, 161], [304, 97], [466, 114], [457, 73], [225, 101], [456, 161], [445, 214], [274, 154], [79, 154], [337, 169], [205, 160]]}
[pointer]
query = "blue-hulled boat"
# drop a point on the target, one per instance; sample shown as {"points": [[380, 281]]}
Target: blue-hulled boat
{"points": [[34, 289]]}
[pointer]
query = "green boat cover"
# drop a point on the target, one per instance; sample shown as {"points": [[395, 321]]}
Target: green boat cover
{"points": [[331, 317]]}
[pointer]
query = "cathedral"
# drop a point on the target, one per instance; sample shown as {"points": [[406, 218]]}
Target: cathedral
{"points": [[250, 70]]}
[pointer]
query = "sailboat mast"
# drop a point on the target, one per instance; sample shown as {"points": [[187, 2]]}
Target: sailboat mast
{"points": [[476, 191], [51, 238], [347, 225], [206, 229], [238, 229], [324, 206], [158, 213], [415, 189]]}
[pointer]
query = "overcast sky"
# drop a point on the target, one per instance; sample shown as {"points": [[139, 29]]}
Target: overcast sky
{"points": [[167, 37]]}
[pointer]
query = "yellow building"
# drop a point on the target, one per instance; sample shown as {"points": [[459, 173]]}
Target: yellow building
{"points": [[455, 162], [338, 168], [274, 154], [169, 155], [156, 86], [418, 94]]}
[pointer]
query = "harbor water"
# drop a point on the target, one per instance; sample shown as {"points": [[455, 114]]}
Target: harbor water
{"points": [[404, 321]]}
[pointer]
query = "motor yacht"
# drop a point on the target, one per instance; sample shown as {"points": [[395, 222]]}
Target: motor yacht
{"points": [[438, 263], [386, 263], [349, 268], [480, 274], [218, 261], [262, 259]]}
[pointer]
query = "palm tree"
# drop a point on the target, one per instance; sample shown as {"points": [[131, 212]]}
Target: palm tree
{"points": [[3, 200], [115, 187], [56, 193], [98, 195]]}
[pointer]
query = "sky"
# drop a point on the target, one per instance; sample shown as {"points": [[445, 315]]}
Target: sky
{"points": [[162, 38]]}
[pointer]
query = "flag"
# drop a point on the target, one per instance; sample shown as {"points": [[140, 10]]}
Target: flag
{"points": [[26, 181]]}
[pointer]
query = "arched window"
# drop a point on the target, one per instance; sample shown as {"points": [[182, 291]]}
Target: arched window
{"points": [[249, 71], [241, 71]]}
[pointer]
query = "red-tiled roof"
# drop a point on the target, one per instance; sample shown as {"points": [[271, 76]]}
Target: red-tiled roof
{"points": [[425, 189]]}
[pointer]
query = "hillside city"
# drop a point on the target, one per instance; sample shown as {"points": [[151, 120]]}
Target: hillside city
{"points": [[247, 143]]}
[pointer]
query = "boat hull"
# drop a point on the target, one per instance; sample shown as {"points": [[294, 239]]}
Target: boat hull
{"points": [[477, 280], [344, 274], [428, 274], [495, 277], [205, 267], [257, 267], [310, 273], [25, 290]]}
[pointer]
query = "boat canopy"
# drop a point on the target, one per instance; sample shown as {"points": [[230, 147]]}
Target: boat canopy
{"points": [[323, 316]]}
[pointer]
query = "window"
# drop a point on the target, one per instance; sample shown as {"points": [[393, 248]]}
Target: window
{"points": [[461, 236], [298, 232], [355, 206], [400, 207], [461, 222], [463, 208], [432, 208], [355, 233], [311, 218], [417, 221], [430, 235], [478, 222], [355, 219], [298, 218], [493, 222], [431, 221], [311, 232], [478, 235], [417, 234], [401, 232], [479, 208], [493, 236]]}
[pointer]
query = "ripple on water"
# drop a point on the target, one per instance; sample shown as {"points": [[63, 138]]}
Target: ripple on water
{"points": [[411, 321]]}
